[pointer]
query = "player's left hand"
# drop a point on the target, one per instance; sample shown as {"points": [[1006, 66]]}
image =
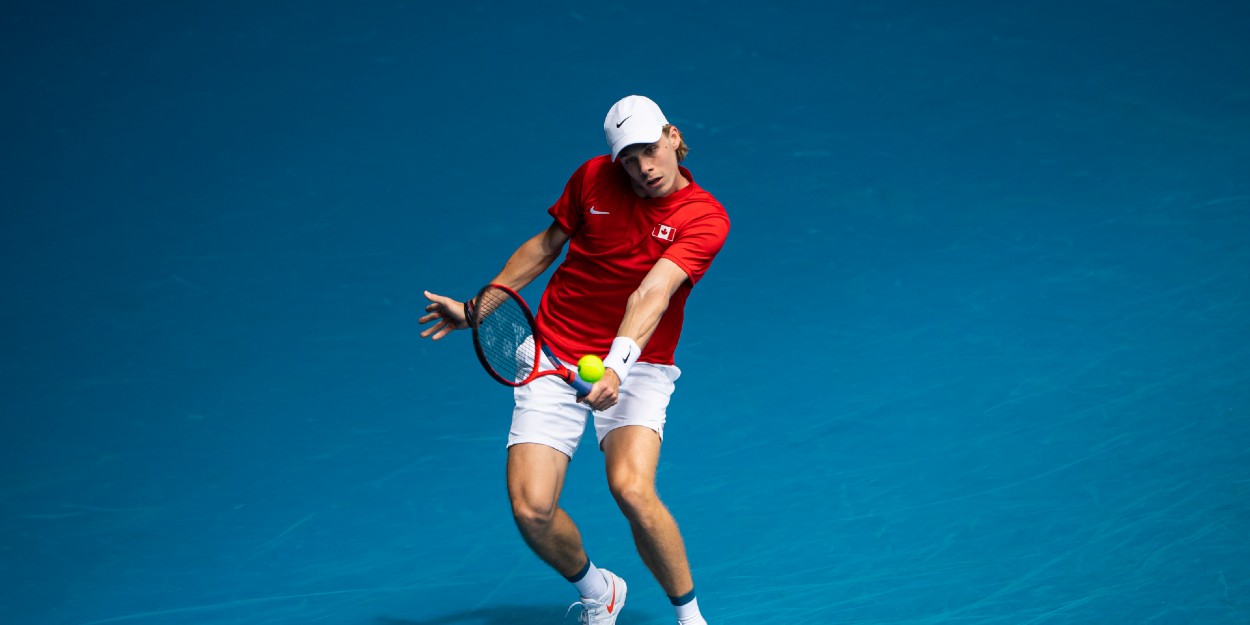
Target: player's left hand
{"points": [[605, 393], [447, 312]]}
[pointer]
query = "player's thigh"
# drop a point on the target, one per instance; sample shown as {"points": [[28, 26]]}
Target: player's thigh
{"points": [[535, 478], [631, 454]]}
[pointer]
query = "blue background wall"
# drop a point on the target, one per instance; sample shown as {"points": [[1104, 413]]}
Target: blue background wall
{"points": [[976, 352]]}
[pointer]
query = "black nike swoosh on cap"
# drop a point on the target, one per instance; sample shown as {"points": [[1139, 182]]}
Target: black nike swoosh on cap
{"points": [[623, 121]]}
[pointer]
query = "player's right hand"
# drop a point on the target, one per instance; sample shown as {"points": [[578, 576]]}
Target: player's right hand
{"points": [[447, 312], [605, 393]]}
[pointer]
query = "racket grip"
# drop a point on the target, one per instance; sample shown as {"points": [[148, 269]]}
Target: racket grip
{"points": [[581, 386]]}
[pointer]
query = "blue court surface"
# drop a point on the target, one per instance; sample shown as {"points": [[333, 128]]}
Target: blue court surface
{"points": [[977, 350]]}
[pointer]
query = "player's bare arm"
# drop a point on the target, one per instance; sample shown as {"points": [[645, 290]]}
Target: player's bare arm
{"points": [[647, 304], [643, 311], [528, 262], [533, 258]]}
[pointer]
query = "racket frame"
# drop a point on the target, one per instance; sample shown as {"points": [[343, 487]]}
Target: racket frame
{"points": [[568, 375]]}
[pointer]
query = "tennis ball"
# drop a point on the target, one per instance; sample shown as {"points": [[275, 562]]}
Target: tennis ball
{"points": [[590, 368]]}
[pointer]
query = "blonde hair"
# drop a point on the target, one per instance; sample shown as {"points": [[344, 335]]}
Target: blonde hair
{"points": [[682, 148]]}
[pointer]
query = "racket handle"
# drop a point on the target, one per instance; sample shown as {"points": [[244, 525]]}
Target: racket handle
{"points": [[581, 386]]}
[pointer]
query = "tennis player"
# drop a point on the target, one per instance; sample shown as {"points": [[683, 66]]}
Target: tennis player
{"points": [[640, 233]]}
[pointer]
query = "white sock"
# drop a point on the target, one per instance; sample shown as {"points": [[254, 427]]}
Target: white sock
{"points": [[688, 614], [592, 584]]}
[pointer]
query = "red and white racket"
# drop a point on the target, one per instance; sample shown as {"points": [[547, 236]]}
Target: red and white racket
{"points": [[507, 341]]}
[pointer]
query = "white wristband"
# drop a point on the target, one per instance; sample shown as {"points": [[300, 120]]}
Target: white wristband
{"points": [[622, 356]]}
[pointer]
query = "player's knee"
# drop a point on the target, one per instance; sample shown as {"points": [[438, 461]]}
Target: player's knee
{"points": [[636, 497], [533, 516]]}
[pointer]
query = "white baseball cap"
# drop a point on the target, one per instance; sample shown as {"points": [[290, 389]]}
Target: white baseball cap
{"points": [[633, 119]]}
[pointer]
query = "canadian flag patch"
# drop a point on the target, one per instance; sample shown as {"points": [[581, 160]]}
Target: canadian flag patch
{"points": [[664, 232]]}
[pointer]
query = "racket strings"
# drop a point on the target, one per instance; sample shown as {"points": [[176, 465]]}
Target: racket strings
{"points": [[505, 335]]}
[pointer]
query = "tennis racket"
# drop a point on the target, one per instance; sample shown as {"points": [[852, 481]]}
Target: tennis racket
{"points": [[507, 341]]}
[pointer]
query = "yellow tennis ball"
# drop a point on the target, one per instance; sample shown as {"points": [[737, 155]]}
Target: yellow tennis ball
{"points": [[590, 368]]}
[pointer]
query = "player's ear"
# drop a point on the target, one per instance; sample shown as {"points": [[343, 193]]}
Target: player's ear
{"points": [[674, 136]]}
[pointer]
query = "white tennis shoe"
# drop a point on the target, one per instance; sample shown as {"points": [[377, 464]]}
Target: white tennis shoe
{"points": [[604, 610]]}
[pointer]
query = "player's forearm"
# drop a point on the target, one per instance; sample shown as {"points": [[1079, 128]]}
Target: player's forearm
{"points": [[642, 314], [643, 311], [647, 304], [528, 262]]}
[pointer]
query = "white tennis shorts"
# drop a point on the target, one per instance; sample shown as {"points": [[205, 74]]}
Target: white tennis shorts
{"points": [[547, 411]]}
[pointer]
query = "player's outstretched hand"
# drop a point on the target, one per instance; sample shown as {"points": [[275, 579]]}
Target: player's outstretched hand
{"points": [[447, 312], [604, 393]]}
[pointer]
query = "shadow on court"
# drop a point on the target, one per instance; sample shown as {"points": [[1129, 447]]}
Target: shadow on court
{"points": [[515, 615]]}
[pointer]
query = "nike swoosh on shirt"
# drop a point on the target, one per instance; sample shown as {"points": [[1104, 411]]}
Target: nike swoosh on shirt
{"points": [[595, 212]]}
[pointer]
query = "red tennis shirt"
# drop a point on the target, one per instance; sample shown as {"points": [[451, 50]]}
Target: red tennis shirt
{"points": [[615, 238]]}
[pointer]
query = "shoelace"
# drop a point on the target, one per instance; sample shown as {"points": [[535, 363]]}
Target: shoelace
{"points": [[587, 610]]}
